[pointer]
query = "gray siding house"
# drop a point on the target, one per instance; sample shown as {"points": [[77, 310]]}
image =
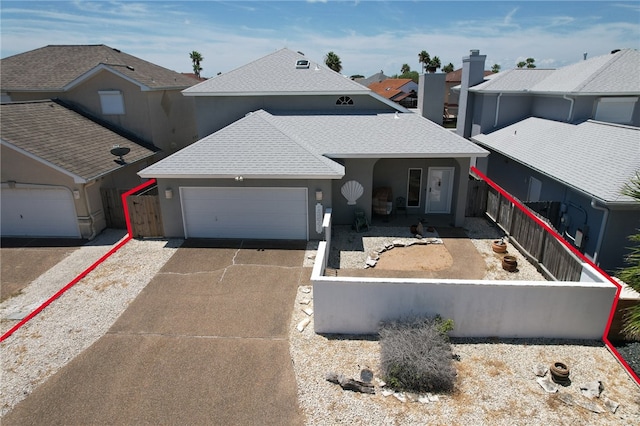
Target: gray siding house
{"points": [[569, 135], [283, 138]]}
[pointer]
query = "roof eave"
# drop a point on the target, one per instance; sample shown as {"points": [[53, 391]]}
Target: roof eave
{"points": [[409, 155], [276, 93], [76, 178], [245, 176]]}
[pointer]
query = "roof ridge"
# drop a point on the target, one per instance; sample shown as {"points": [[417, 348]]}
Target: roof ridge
{"points": [[614, 57]]}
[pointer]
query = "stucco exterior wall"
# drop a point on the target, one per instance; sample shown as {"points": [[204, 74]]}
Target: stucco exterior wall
{"points": [[216, 112], [360, 170], [172, 208]]}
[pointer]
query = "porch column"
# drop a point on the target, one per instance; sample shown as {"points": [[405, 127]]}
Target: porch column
{"points": [[461, 197]]}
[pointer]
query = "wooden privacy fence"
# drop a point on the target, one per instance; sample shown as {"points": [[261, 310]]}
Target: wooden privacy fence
{"points": [[113, 209], [144, 214], [539, 245], [476, 198]]}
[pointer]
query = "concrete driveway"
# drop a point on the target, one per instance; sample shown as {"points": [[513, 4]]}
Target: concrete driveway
{"points": [[25, 259], [204, 343]]}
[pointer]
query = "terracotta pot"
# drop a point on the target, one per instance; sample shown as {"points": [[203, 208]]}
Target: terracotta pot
{"points": [[499, 246], [509, 263]]}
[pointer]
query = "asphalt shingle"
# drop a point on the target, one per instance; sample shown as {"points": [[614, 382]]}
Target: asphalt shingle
{"points": [[593, 157], [64, 138], [52, 68]]}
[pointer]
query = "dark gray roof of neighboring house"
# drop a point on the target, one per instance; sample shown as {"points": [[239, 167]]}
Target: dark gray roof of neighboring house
{"points": [[612, 74], [593, 157], [296, 145], [375, 78], [277, 74], [65, 139], [56, 67]]}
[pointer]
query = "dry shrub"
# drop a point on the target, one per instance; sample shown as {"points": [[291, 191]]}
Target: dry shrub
{"points": [[416, 356]]}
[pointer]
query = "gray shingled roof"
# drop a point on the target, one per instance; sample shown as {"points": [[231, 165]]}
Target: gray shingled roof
{"points": [[263, 145], [611, 74], [593, 157], [276, 74], [52, 68], [64, 138]]}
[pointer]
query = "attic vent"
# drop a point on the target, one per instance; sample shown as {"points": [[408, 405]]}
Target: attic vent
{"points": [[302, 63], [344, 100]]}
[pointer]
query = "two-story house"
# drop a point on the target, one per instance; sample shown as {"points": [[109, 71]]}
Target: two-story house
{"points": [[285, 137], [78, 120], [569, 135]]}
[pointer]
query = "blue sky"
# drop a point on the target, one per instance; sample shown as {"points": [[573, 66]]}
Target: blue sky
{"points": [[368, 36]]}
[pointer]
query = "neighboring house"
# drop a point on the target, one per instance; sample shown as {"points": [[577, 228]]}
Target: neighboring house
{"points": [[375, 78], [121, 89], [400, 90], [285, 137], [569, 135], [453, 79], [54, 161]]}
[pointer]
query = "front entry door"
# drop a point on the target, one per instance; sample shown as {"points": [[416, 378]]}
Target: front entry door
{"points": [[439, 190]]}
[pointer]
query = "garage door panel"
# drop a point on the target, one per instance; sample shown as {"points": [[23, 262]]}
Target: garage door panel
{"points": [[38, 212], [260, 213]]}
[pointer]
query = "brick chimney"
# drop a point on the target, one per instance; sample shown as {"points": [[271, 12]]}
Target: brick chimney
{"points": [[472, 74]]}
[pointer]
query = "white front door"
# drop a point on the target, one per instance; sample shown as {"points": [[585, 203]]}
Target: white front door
{"points": [[439, 189]]}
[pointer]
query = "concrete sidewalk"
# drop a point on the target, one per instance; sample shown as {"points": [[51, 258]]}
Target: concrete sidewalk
{"points": [[204, 343]]}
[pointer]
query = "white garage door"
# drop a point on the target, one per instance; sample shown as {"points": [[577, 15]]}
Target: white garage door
{"points": [[38, 212], [255, 213]]}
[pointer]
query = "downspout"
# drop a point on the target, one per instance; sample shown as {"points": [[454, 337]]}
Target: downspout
{"points": [[88, 203], [565, 97], [495, 122], [605, 218]]}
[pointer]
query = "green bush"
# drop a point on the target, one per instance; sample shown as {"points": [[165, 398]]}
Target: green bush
{"points": [[416, 356]]}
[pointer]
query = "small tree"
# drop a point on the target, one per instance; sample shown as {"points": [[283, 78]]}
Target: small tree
{"points": [[333, 61], [424, 58], [495, 68], [631, 274], [405, 68], [529, 63], [196, 58], [448, 68]]}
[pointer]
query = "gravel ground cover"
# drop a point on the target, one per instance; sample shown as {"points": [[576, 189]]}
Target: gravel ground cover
{"points": [[79, 317], [495, 383]]}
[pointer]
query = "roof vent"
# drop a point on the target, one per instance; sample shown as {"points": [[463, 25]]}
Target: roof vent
{"points": [[302, 63]]}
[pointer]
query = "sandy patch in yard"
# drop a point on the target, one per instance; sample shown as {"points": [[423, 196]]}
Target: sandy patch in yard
{"points": [[429, 257]]}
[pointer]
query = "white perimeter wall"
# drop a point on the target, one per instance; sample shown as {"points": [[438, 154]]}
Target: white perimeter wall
{"points": [[521, 309]]}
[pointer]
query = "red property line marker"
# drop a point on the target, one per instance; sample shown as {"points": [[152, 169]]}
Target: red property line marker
{"points": [[557, 236], [90, 268]]}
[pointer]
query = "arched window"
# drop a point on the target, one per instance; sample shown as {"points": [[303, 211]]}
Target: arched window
{"points": [[344, 100]]}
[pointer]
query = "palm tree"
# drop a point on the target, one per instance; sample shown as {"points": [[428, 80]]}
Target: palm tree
{"points": [[196, 58], [495, 68], [434, 64], [424, 58], [530, 63], [405, 68], [448, 68], [631, 274], [333, 61]]}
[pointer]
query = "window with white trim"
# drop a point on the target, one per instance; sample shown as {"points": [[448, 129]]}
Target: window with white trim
{"points": [[616, 110], [111, 102]]}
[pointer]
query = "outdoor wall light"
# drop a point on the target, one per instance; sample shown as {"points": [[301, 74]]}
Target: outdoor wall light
{"points": [[168, 193], [239, 178], [318, 195], [76, 194]]}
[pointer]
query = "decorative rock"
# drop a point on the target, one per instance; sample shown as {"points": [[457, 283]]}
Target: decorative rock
{"points": [[311, 256], [433, 398], [366, 375], [424, 399], [350, 384], [589, 405], [419, 236], [374, 255], [566, 398], [388, 246], [398, 243], [592, 389], [305, 301], [381, 383], [387, 392], [305, 289], [611, 405], [303, 324], [400, 396], [547, 384], [540, 370], [308, 311], [370, 262]]}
